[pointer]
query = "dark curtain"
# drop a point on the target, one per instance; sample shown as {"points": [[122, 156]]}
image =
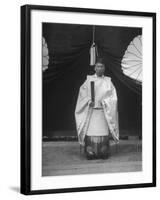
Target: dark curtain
{"points": [[69, 46]]}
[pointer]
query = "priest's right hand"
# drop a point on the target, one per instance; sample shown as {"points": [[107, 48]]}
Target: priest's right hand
{"points": [[91, 104]]}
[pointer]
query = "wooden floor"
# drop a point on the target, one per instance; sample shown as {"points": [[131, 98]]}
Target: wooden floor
{"points": [[64, 158]]}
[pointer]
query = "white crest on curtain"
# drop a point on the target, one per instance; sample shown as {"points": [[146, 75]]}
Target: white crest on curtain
{"points": [[45, 56], [132, 60]]}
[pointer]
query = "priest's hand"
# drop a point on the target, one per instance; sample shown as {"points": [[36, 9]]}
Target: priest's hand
{"points": [[91, 104]]}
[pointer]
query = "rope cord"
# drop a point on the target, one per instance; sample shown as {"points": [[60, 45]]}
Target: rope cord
{"points": [[93, 34]]}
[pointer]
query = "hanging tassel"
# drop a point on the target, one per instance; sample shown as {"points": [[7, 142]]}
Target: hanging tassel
{"points": [[93, 54], [93, 49]]}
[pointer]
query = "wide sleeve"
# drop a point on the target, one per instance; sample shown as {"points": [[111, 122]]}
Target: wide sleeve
{"points": [[110, 106], [81, 110], [83, 98]]}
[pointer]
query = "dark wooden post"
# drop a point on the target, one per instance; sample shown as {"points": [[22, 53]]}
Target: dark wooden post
{"points": [[92, 91]]}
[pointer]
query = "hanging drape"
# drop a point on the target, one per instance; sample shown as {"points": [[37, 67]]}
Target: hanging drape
{"points": [[68, 42]]}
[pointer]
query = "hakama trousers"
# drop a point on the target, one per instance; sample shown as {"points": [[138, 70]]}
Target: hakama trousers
{"points": [[97, 137]]}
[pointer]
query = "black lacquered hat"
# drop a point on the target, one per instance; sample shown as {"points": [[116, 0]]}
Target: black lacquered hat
{"points": [[99, 60]]}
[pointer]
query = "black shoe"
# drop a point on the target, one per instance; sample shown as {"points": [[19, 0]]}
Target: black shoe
{"points": [[90, 155]]}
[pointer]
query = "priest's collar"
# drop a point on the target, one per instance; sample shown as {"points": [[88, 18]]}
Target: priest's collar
{"points": [[95, 75]]}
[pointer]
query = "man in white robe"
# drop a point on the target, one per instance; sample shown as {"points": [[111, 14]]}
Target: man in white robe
{"points": [[97, 119]]}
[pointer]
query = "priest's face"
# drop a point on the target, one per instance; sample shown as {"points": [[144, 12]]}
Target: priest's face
{"points": [[99, 69]]}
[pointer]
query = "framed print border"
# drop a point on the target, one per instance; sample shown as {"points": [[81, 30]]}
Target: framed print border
{"points": [[26, 98]]}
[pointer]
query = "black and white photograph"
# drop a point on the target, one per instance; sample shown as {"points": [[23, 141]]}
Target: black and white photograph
{"points": [[80, 100], [92, 99], [87, 99]]}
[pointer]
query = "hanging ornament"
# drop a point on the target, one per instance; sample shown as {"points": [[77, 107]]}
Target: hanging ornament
{"points": [[93, 54], [93, 50]]}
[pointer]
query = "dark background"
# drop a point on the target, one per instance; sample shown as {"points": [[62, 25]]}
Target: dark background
{"points": [[69, 46]]}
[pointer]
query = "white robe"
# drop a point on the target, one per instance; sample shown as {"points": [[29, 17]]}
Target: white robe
{"points": [[105, 97], [97, 125]]}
